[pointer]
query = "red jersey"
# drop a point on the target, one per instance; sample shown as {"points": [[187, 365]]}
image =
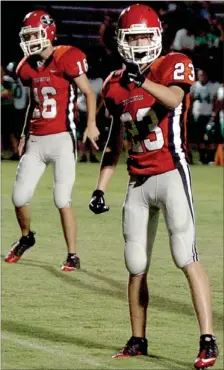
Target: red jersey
{"points": [[158, 134], [53, 94]]}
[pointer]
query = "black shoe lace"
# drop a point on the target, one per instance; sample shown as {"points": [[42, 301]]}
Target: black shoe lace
{"points": [[24, 244], [133, 346], [20, 249], [74, 261], [209, 347]]}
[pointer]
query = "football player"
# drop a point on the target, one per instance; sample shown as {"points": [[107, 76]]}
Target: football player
{"points": [[53, 75], [149, 99]]}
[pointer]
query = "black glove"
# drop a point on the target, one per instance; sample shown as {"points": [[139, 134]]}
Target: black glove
{"points": [[97, 202], [134, 73]]}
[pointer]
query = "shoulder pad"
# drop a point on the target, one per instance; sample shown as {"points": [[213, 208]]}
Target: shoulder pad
{"points": [[61, 50], [21, 64], [176, 57], [106, 84], [113, 77]]}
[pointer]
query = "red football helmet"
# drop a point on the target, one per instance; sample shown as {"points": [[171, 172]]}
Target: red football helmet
{"points": [[135, 20], [40, 24]]}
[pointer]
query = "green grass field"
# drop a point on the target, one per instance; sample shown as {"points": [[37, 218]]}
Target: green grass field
{"points": [[78, 320]]}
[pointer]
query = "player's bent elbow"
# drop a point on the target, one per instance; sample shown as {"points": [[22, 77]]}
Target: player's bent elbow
{"points": [[174, 103], [175, 97]]}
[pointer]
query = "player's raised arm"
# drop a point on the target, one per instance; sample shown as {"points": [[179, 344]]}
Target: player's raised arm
{"points": [[170, 96], [172, 93], [91, 131], [108, 164]]}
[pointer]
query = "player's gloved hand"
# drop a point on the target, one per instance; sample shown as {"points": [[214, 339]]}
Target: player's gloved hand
{"points": [[134, 73], [97, 202]]}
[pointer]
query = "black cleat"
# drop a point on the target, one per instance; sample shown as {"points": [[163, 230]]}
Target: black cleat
{"points": [[83, 159], [208, 352], [72, 263], [93, 159], [19, 247], [135, 347]]}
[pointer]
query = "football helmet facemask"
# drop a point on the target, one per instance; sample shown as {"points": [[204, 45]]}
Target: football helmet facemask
{"points": [[139, 19], [40, 25]]}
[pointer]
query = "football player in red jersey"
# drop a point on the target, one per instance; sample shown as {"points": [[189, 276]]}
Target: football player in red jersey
{"points": [[53, 75], [149, 99]]}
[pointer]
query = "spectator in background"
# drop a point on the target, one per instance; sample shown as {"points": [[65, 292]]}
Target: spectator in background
{"points": [[171, 16], [213, 35], [219, 51], [201, 38], [107, 40], [20, 98], [172, 7], [206, 10], [184, 41], [107, 34], [162, 11], [203, 93], [205, 41], [216, 126], [220, 26], [166, 20], [7, 116], [178, 13]]}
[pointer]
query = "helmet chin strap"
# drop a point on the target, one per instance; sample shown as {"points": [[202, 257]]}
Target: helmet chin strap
{"points": [[145, 68]]}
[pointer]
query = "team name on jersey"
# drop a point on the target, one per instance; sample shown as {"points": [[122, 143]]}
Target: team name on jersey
{"points": [[41, 79], [132, 99]]}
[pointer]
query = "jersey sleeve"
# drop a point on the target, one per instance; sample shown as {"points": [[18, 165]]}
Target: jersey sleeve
{"points": [[74, 63], [22, 72], [178, 70]]}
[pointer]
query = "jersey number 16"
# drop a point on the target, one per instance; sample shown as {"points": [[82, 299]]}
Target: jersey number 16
{"points": [[47, 108]]}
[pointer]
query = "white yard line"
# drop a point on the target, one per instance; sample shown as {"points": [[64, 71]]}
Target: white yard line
{"points": [[35, 345]]}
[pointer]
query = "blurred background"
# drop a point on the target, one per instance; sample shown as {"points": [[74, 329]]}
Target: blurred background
{"points": [[195, 28]]}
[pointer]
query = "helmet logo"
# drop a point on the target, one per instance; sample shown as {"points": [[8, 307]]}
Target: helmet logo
{"points": [[46, 19]]}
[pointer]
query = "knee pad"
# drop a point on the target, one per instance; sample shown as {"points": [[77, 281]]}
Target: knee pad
{"points": [[21, 195], [183, 250], [62, 196], [136, 260]]}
